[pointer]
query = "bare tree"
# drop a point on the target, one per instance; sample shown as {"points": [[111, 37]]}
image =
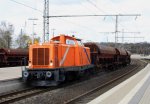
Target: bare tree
{"points": [[6, 31], [23, 40]]}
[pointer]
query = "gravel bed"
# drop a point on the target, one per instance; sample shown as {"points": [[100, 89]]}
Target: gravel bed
{"points": [[61, 95], [7, 86], [92, 96]]}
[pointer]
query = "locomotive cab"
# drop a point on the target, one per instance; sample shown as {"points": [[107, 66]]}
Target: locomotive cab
{"points": [[49, 62]]}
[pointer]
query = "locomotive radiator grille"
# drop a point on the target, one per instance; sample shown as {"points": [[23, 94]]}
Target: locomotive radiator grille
{"points": [[40, 56]]}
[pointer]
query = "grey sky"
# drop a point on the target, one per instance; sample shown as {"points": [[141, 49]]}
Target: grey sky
{"points": [[86, 28]]}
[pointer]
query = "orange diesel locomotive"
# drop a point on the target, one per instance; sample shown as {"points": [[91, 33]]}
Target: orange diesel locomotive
{"points": [[52, 62]]}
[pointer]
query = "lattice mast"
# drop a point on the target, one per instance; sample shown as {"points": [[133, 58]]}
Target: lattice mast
{"points": [[46, 21]]}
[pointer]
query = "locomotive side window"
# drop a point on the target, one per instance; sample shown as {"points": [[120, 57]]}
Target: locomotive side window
{"points": [[80, 43], [70, 42], [56, 41]]}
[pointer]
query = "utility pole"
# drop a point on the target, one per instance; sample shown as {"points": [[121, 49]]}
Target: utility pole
{"points": [[129, 37], [132, 37], [123, 32], [116, 26], [53, 32], [46, 21], [8, 38], [116, 30], [25, 25], [33, 19], [21, 32], [107, 33], [122, 36]]}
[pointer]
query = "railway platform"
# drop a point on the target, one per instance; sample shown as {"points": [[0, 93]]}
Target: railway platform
{"points": [[10, 73], [135, 90]]}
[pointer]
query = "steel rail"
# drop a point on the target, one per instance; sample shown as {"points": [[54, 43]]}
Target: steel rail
{"points": [[71, 101], [18, 95]]}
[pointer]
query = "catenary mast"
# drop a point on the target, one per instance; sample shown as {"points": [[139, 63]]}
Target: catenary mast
{"points": [[46, 21]]}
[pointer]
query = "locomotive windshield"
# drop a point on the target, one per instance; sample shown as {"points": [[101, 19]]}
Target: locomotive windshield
{"points": [[70, 42]]}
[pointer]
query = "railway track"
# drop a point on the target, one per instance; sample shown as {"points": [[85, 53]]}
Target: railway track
{"points": [[78, 99], [81, 92], [10, 80], [69, 99], [22, 94]]}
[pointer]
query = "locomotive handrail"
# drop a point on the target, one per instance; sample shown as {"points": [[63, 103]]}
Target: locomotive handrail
{"points": [[24, 62]]}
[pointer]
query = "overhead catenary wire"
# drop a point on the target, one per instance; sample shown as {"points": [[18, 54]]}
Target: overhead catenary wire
{"points": [[101, 10], [87, 8], [75, 23], [116, 24], [42, 12], [97, 15], [96, 6], [27, 6], [66, 16], [116, 20]]}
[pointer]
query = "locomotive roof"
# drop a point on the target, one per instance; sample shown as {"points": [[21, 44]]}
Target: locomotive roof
{"points": [[66, 36]]}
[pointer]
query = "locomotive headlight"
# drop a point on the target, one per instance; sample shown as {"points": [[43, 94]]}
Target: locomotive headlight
{"points": [[30, 63], [51, 63], [48, 74], [25, 74]]}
